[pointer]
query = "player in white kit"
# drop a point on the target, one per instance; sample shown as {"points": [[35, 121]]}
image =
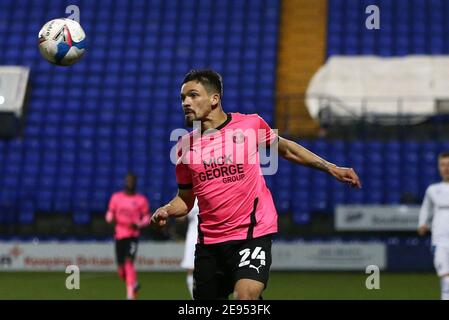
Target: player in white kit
{"points": [[434, 216], [189, 248]]}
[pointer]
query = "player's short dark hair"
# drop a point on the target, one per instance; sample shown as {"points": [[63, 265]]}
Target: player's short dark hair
{"points": [[444, 154], [210, 79], [132, 175]]}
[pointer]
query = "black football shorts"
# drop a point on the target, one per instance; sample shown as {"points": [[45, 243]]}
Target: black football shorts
{"points": [[219, 266], [125, 248]]}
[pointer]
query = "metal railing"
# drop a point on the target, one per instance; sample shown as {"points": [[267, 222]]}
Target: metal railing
{"points": [[390, 113]]}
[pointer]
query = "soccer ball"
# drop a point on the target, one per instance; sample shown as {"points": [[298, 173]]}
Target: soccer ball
{"points": [[62, 41]]}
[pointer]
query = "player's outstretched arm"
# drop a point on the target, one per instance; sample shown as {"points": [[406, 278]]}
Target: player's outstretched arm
{"points": [[178, 207], [294, 152]]}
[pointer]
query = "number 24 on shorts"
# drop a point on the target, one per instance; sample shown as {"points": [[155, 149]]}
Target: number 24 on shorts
{"points": [[258, 253]]}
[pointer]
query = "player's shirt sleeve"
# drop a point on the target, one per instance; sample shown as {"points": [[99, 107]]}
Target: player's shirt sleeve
{"points": [[183, 174], [111, 210], [266, 135], [426, 211], [145, 213]]}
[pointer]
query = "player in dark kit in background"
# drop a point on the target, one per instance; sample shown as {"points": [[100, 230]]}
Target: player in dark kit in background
{"points": [[237, 216]]}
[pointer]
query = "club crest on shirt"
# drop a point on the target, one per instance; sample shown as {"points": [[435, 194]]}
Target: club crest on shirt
{"points": [[238, 138]]}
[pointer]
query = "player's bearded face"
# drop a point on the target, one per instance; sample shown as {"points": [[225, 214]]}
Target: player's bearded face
{"points": [[196, 102], [443, 165]]}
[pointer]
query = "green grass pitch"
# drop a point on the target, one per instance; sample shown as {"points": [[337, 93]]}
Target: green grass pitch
{"points": [[172, 286]]}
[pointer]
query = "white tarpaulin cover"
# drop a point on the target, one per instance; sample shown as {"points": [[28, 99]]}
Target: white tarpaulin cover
{"points": [[357, 85]]}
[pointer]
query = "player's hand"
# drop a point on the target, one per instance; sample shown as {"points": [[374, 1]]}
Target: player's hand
{"points": [[111, 222], [159, 218], [346, 175], [422, 230]]}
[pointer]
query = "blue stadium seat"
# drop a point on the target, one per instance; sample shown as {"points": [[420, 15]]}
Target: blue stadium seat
{"points": [[318, 200], [338, 196], [356, 196], [81, 217], [374, 196], [302, 218]]}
